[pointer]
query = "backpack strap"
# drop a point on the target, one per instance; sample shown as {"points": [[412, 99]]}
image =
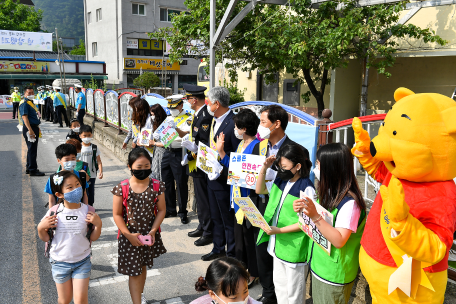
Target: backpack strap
{"points": [[50, 181], [83, 178], [94, 158], [125, 189], [85, 166]]}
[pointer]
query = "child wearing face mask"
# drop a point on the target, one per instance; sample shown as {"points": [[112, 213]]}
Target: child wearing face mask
{"points": [[138, 210], [92, 156], [339, 193], [73, 227], [226, 282], [287, 244], [74, 132], [66, 157], [80, 165]]}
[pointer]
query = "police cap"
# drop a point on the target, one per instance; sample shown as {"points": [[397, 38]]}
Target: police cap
{"points": [[174, 100], [191, 89], [78, 86]]}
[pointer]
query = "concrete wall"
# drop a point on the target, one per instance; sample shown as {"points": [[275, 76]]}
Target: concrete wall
{"points": [[109, 137]]}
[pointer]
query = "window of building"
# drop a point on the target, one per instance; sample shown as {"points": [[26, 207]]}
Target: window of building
{"points": [[138, 9], [99, 14], [89, 17], [167, 14], [94, 49], [185, 79], [184, 62]]}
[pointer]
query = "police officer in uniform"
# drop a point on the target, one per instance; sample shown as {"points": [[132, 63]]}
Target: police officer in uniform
{"points": [[199, 132], [172, 170], [48, 101], [60, 107], [15, 99], [80, 103]]}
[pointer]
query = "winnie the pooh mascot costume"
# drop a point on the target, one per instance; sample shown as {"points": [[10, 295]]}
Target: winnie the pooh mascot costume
{"points": [[409, 230]]}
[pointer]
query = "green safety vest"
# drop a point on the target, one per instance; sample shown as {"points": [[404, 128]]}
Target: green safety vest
{"points": [[15, 97], [289, 247], [341, 267]]}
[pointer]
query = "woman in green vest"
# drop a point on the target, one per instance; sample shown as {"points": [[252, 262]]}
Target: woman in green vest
{"points": [[287, 244], [338, 192]]}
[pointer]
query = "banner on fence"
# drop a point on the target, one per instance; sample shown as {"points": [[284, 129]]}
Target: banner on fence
{"points": [[5, 101], [244, 169], [166, 133], [251, 212], [309, 227], [201, 160]]}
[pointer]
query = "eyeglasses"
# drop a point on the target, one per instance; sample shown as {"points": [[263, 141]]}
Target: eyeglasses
{"points": [[71, 217]]}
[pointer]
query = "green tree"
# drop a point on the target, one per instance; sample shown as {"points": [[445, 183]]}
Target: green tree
{"points": [[146, 81], [307, 42], [15, 16], [79, 50]]}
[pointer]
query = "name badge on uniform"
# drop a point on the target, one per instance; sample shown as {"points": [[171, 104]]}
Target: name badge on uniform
{"points": [[195, 129]]}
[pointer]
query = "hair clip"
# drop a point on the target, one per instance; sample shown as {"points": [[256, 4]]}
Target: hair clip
{"points": [[58, 180]]}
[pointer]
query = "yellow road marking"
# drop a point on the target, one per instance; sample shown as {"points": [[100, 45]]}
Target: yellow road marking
{"points": [[31, 290]]}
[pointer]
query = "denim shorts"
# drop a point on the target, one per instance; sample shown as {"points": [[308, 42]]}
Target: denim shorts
{"points": [[62, 271]]}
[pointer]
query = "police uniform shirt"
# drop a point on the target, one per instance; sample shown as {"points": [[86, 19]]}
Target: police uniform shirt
{"points": [[200, 128], [26, 109], [81, 100], [184, 127], [57, 102]]}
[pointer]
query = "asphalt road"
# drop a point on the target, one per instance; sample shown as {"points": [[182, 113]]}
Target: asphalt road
{"points": [[25, 274]]}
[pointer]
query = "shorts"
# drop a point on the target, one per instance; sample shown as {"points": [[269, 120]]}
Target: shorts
{"points": [[62, 271]]}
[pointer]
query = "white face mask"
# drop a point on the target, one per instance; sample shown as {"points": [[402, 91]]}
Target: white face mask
{"points": [[174, 112], [152, 117], [16, 91], [209, 110], [264, 132], [31, 97], [76, 130], [87, 140], [69, 165], [316, 171], [78, 156], [236, 133], [240, 302]]}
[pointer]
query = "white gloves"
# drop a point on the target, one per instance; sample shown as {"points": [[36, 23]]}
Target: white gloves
{"points": [[185, 160], [214, 163], [156, 136], [186, 137], [213, 176], [191, 146], [172, 124]]}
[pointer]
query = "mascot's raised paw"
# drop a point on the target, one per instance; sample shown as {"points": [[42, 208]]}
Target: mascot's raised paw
{"points": [[394, 204], [362, 138]]}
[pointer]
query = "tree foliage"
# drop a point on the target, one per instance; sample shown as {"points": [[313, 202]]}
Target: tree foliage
{"points": [[65, 15], [15, 16], [80, 49], [147, 80], [307, 42]]}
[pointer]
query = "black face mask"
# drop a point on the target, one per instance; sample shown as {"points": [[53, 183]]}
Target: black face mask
{"points": [[284, 174], [141, 174]]}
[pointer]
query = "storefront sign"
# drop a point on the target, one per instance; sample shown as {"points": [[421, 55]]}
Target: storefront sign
{"points": [[132, 43], [25, 41], [24, 66], [149, 64], [244, 169], [145, 44]]}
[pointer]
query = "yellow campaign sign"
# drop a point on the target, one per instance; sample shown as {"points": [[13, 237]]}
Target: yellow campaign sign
{"points": [[150, 64], [24, 67]]}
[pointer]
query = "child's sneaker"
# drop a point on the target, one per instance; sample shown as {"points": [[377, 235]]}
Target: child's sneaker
{"points": [[143, 299]]}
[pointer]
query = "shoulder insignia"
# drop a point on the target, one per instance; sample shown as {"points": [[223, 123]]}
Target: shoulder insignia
{"points": [[205, 127]]}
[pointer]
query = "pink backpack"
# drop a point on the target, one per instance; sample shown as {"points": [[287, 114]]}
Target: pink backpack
{"points": [[47, 246], [125, 190]]}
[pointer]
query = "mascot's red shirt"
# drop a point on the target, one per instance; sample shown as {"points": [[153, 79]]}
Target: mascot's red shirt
{"points": [[433, 204]]}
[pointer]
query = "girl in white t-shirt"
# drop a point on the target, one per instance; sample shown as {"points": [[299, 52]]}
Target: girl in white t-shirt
{"points": [[69, 252], [333, 275]]}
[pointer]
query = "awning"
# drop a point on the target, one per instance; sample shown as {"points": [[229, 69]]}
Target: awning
{"points": [[50, 76]]}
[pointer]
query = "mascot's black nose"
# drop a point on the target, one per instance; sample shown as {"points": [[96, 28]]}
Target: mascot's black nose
{"points": [[372, 149]]}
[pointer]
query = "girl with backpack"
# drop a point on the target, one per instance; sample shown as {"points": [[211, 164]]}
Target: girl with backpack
{"points": [[69, 227], [287, 244], [338, 192], [138, 210]]}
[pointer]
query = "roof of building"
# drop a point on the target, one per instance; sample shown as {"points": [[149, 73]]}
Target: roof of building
{"points": [[7, 54], [27, 2]]}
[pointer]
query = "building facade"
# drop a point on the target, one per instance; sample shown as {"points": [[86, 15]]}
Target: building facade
{"points": [[116, 32]]}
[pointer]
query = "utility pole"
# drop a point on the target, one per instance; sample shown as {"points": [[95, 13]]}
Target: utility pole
{"points": [[58, 54], [212, 45], [63, 60]]}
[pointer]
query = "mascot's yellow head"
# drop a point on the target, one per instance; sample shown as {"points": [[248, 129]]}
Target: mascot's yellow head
{"points": [[417, 141]]}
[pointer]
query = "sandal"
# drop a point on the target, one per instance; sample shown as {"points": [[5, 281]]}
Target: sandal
{"points": [[253, 282]]}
